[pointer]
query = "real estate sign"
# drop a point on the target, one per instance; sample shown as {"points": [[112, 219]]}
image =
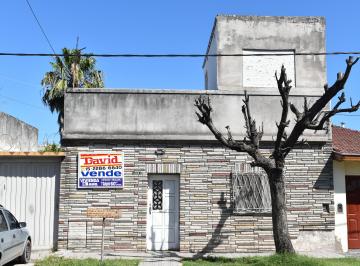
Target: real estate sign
{"points": [[101, 170]]}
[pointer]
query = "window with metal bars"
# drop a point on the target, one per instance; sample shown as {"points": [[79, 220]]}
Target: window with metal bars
{"points": [[250, 192], [157, 196]]}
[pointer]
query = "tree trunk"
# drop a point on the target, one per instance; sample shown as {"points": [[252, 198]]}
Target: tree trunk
{"points": [[279, 219], [61, 123]]}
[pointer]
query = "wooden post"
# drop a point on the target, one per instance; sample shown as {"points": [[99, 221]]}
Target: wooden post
{"points": [[103, 213], [102, 239]]}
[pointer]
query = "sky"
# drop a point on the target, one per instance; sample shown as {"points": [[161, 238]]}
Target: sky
{"points": [[134, 26]]}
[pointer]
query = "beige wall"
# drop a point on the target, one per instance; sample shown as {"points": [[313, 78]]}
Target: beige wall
{"points": [[342, 169]]}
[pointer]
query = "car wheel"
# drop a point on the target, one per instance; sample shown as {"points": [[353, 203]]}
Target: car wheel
{"points": [[25, 257]]}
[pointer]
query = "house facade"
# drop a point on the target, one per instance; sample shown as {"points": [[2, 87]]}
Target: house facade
{"points": [[29, 180], [171, 184], [346, 144]]}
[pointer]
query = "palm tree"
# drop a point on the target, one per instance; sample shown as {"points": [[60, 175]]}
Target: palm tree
{"points": [[73, 71]]}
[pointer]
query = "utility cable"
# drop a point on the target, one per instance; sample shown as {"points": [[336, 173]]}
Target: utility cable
{"points": [[20, 102], [179, 55], [345, 115], [46, 37], [41, 28]]}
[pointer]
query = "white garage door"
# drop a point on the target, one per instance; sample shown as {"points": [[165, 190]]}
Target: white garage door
{"points": [[28, 189]]}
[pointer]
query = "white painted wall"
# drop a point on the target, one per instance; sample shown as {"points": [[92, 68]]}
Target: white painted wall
{"points": [[258, 71], [342, 169], [340, 198]]}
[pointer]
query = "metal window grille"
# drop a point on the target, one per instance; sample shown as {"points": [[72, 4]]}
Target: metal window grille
{"points": [[250, 190], [157, 194]]}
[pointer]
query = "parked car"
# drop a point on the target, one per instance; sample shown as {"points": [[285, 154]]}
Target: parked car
{"points": [[15, 241]]}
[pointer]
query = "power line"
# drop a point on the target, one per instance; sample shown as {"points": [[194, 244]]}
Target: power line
{"points": [[345, 115], [46, 37], [177, 55], [21, 102], [19, 81], [41, 28]]}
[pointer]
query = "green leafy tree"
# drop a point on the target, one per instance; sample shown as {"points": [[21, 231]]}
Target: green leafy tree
{"points": [[71, 71]]}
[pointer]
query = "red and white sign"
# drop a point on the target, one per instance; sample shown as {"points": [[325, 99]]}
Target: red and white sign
{"points": [[101, 170]]}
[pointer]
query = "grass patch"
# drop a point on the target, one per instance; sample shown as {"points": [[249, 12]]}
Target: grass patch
{"points": [[275, 260], [59, 261]]}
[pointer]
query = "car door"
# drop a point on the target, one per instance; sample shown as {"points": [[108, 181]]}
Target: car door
{"points": [[17, 243], [5, 239]]}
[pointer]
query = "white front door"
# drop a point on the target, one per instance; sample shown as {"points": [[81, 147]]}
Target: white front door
{"points": [[163, 213]]}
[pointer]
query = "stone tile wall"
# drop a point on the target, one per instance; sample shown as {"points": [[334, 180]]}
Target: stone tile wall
{"points": [[207, 222]]}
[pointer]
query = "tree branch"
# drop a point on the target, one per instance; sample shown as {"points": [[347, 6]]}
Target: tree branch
{"points": [[328, 114], [297, 113], [284, 90], [333, 90], [204, 106], [305, 120], [251, 147], [253, 134]]}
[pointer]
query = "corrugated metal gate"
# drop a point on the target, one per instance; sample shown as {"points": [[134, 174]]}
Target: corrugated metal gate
{"points": [[29, 189]]}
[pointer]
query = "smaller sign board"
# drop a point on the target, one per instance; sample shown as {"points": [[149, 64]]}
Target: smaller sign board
{"points": [[103, 213]]}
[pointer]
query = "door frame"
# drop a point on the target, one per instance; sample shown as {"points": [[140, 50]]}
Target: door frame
{"points": [[347, 220], [175, 177]]}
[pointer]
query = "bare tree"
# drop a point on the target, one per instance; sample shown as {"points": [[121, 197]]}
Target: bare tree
{"points": [[313, 118]]}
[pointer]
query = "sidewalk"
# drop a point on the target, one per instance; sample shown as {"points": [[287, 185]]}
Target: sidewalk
{"points": [[161, 259]]}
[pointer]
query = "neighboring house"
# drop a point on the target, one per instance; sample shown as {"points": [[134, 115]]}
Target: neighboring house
{"points": [[15, 135], [178, 189], [29, 180], [346, 145]]}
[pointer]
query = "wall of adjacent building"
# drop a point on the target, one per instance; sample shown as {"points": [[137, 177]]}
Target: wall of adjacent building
{"points": [[15, 135], [29, 181], [342, 169], [29, 188]]}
